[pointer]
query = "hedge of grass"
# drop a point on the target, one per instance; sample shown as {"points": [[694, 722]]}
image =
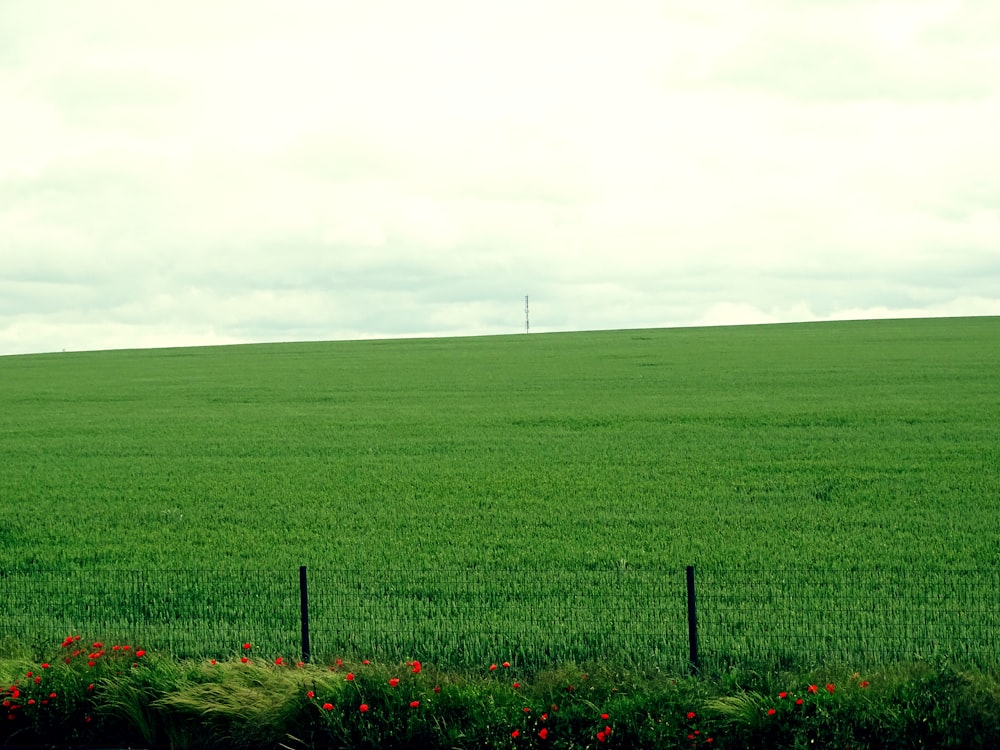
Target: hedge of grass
{"points": [[116, 695]]}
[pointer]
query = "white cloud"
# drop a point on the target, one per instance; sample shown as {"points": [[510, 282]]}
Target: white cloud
{"points": [[223, 172]]}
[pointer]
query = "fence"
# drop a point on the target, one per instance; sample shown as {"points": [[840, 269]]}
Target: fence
{"points": [[667, 618]]}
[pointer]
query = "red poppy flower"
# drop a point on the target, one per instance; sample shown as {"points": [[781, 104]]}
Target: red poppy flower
{"points": [[771, 712], [506, 664], [247, 646], [310, 695], [349, 677], [493, 667], [601, 737], [140, 653], [864, 683], [798, 702], [691, 715], [544, 733], [812, 689], [515, 733], [414, 704], [782, 694], [415, 667], [363, 708], [279, 661], [394, 682], [830, 688], [327, 706]]}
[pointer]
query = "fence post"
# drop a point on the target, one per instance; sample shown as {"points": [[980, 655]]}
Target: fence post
{"points": [[304, 601], [692, 622]]}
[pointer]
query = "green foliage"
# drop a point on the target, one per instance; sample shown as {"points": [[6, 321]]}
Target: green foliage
{"points": [[912, 706], [111, 697]]}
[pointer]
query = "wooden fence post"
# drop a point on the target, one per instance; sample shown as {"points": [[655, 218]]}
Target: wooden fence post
{"points": [[304, 602], [692, 622]]}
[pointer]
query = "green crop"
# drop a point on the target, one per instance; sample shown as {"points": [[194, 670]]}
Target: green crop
{"points": [[478, 482]]}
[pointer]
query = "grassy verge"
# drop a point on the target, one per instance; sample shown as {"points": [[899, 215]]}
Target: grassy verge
{"points": [[98, 695]]}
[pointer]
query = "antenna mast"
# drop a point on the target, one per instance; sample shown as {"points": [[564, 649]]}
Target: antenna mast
{"points": [[527, 327]]}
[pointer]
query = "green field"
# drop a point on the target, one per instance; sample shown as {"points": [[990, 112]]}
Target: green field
{"points": [[802, 447]]}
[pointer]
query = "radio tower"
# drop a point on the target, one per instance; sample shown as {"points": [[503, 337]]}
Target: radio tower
{"points": [[527, 327]]}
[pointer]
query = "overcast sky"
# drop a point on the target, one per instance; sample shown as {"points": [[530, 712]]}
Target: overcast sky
{"points": [[203, 171]]}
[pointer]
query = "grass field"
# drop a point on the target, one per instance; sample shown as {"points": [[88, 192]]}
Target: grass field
{"points": [[826, 445]]}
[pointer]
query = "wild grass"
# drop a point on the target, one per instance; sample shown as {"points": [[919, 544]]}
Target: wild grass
{"points": [[119, 699]]}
